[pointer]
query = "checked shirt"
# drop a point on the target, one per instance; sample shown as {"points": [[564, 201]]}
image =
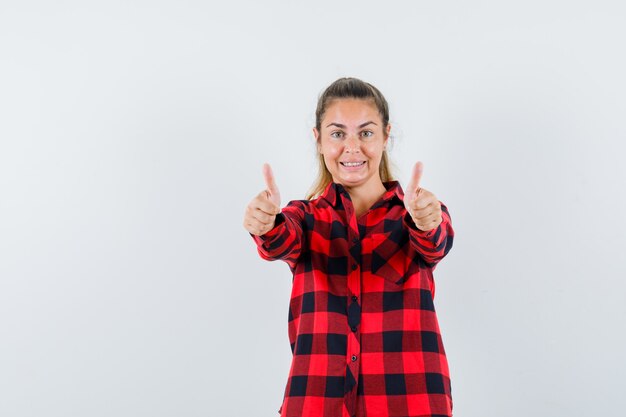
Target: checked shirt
{"points": [[362, 325]]}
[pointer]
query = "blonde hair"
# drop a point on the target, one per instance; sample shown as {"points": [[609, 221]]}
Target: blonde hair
{"points": [[348, 87]]}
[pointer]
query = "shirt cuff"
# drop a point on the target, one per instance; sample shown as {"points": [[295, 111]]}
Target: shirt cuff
{"points": [[279, 224], [410, 224]]}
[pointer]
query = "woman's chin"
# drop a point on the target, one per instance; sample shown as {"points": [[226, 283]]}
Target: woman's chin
{"points": [[352, 180]]}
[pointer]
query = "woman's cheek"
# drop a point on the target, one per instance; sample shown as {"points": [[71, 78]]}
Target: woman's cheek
{"points": [[373, 150], [335, 150]]}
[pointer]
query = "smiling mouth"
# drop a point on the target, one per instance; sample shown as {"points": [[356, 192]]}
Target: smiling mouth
{"points": [[352, 164]]}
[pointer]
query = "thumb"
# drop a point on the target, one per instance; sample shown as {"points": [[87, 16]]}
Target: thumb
{"points": [[270, 183], [416, 176]]}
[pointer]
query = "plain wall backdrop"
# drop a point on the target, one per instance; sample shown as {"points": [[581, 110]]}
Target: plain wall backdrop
{"points": [[132, 136]]}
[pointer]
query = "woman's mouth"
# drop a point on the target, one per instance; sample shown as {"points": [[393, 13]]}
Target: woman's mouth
{"points": [[352, 166]]}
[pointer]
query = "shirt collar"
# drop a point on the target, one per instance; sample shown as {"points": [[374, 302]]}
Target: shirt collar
{"points": [[333, 190]]}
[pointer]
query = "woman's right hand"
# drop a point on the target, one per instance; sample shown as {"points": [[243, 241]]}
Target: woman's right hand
{"points": [[261, 212]]}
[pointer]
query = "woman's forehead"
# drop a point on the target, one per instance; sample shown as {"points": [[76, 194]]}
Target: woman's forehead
{"points": [[351, 112]]}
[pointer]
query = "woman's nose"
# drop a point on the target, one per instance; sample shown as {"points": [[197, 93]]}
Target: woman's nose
{"points": [[352, 144]]}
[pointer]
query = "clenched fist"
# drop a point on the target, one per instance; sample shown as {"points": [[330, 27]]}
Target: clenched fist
{"points": [[422, 205], [262, 210]]}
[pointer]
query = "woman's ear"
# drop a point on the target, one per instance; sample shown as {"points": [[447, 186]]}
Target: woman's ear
{"points": [[316, 135], [387, 134]]}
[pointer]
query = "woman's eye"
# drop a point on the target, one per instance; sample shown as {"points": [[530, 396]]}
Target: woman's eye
{"points": [[335, 134], [369, 133]]}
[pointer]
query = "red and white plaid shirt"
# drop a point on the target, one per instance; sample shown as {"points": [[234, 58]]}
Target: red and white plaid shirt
{"points": [[362, 324]]}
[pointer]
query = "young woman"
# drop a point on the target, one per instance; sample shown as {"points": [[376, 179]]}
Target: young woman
{"points": [[362, 324]]}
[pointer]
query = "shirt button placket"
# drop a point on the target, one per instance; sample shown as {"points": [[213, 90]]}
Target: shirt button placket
{"points": [[354, 300], [353, 305], [354, 310]]}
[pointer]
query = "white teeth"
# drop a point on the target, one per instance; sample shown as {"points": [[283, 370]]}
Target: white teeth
{"points": [[352, 164]]}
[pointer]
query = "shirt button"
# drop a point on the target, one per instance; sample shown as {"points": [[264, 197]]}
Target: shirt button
{"points": [[353, 328], [354, 267], [353, 358], [354, 298]]}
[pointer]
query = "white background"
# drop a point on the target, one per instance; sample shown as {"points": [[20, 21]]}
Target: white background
{"points": [[132, 135]]}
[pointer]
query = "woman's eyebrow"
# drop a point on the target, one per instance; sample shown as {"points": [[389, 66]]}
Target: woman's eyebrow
{"points": [[344, 126]]}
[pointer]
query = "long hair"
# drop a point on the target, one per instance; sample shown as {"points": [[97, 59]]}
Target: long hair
{"points": [[348, 87]]}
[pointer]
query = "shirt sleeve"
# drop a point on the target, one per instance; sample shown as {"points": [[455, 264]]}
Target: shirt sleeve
{"points": [[432, 245], [284, 241]]}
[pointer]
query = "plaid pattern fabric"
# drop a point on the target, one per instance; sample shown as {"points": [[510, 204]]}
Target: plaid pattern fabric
{"points": [[362, 324]]}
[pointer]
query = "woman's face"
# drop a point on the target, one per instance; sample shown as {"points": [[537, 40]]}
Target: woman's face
{"points": [[352, 142]]}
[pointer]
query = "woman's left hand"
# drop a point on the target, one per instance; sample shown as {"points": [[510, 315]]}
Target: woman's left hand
{"points": [[422, 205]]}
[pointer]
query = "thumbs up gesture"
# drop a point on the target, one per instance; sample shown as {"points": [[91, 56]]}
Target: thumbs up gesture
{"points": [[422, 205], [261, 212]]}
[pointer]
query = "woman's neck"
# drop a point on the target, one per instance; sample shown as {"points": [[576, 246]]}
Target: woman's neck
{"points": [[363, 198]]}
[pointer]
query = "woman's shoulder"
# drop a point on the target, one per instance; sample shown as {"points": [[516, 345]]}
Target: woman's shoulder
{"points": [[298, 205], [312, 202], [314, 206]]}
